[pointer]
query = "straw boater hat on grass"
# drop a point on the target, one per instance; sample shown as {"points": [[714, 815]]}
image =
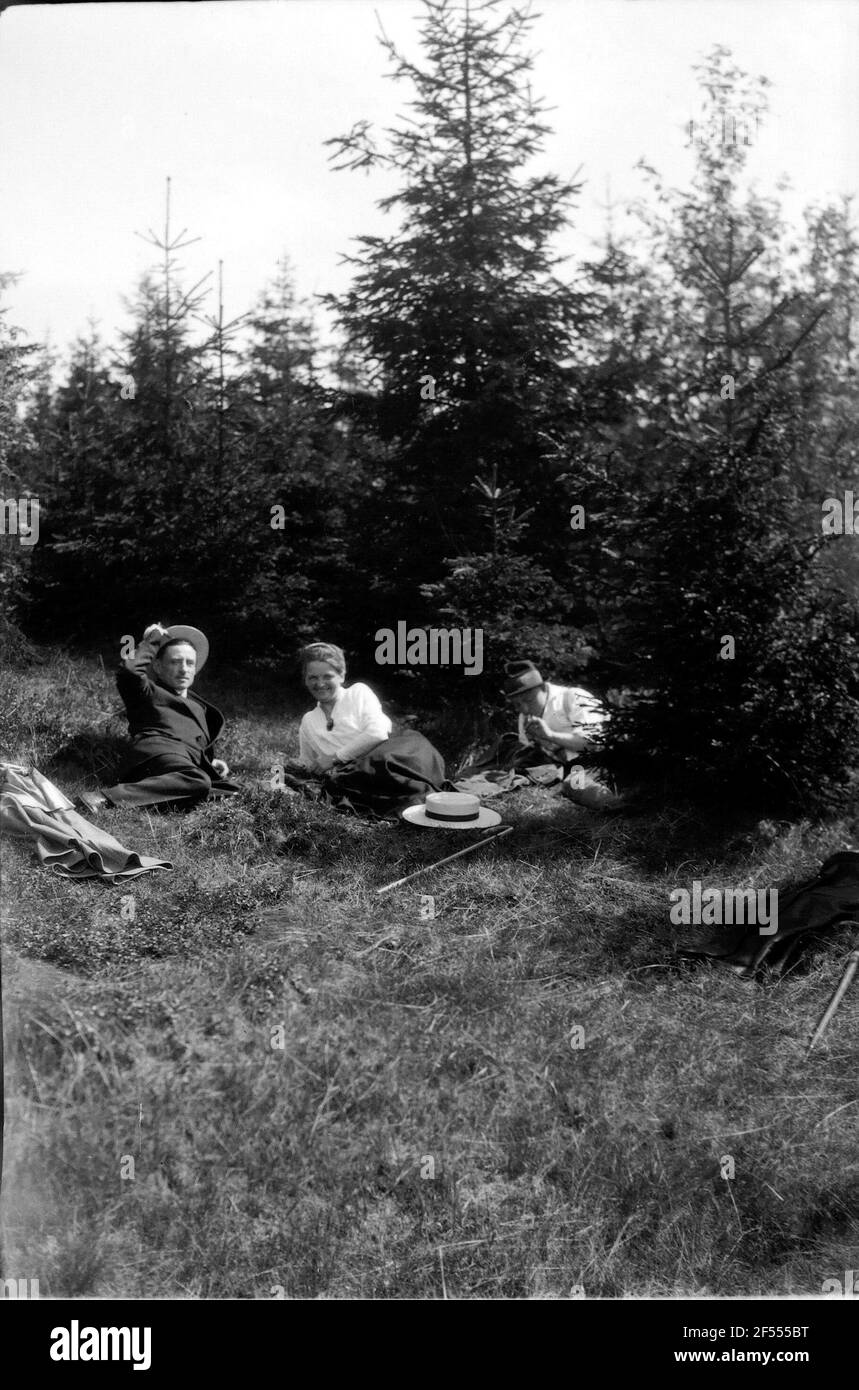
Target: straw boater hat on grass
{"points": [[451, 811], [180, 632]]}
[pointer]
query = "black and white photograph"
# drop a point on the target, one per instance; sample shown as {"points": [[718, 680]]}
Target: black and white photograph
{"points": [[429, 626]]}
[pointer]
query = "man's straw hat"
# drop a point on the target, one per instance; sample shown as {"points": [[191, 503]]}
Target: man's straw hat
{"points": [[451, 811], [181, 632]]}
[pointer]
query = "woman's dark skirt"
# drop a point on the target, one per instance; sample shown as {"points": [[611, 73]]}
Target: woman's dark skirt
{"points": [[395, 774]]}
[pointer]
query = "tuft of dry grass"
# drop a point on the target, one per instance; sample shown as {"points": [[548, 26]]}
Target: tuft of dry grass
{"points": [[495, 1082]]}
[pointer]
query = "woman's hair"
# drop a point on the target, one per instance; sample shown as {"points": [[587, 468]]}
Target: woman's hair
{"points": [[323, 651]]}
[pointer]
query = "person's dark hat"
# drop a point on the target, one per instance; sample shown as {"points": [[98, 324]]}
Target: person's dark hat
{"points": [[521, 676]]}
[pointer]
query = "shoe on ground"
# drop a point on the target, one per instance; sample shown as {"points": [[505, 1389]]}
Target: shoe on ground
{"points": [[91, 803]]}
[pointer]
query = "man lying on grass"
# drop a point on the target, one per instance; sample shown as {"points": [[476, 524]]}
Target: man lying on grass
{"points": [[173, 732]]}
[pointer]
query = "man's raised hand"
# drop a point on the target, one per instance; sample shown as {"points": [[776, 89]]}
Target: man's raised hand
{"points": [[151, 641], [147, 647]]}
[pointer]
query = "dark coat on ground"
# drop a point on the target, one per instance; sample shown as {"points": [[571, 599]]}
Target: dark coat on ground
{"points": [[817, 904]]}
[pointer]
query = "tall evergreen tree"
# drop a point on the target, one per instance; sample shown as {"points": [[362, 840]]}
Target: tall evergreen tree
{"points": [[134, 480], [828, 382], [293, 482], [746, 667], [459, 312], [18, 470]]}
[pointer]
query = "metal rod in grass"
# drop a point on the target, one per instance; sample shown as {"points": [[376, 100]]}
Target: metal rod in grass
{"points": [[835, 999], [478, 844]]}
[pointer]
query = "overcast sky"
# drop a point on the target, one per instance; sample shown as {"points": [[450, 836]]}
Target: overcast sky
{"points": [[99, 103]]}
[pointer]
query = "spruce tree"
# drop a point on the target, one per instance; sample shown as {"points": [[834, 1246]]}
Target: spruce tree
{"points": [[744, 662], [293, 485], [459, 313], [18, 472], [128, 529]]}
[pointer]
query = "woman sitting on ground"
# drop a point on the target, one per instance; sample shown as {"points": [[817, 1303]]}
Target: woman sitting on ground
{"points": [[346, 740]]}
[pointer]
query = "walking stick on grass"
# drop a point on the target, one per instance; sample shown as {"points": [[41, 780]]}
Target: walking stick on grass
{"points": [[398, 883], [835, 999]]}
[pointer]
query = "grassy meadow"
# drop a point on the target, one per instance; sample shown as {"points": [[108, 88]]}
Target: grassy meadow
{"points": [[268, 1082]]}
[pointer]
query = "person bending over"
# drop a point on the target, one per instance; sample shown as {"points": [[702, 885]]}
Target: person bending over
{"points": [[173, 731], [557, 724], [346, 739]]}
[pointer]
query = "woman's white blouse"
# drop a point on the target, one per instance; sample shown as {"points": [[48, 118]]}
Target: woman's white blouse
{"points": [[357, 715]]}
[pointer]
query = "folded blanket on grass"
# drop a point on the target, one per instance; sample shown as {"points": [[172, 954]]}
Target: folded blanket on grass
{"points": [[509, 765], [493, 782], [33, 809], [506, 766]]}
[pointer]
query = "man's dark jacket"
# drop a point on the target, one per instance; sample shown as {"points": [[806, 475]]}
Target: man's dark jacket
{"points": [[163, 724]]}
